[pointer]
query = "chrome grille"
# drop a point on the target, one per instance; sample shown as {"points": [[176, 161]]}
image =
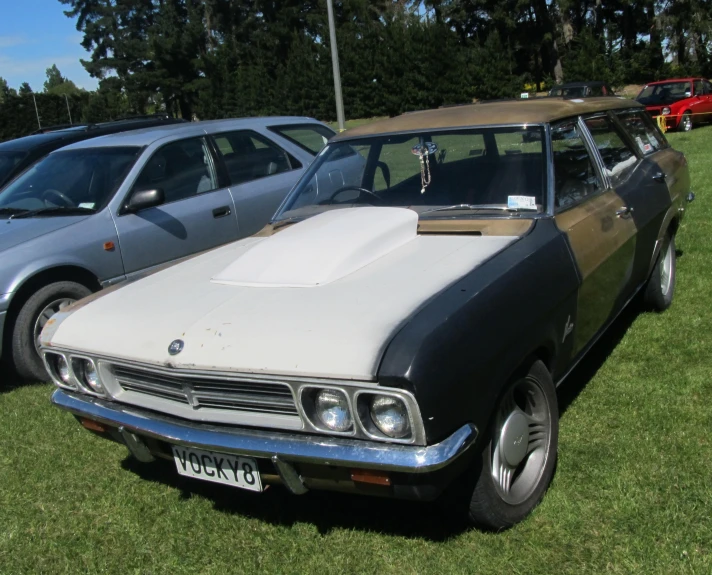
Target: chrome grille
{"points": [[210, 393]]}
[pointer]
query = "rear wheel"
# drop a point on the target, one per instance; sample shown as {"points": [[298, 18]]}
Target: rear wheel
{"points": [[661, 285], [33, 316], [519, 460], [686, 122]]}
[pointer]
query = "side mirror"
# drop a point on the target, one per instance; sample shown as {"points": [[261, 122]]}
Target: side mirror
{"points": [[144, 199]]}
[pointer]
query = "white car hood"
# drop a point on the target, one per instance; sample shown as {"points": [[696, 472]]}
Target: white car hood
{"points": [[338, 326]]}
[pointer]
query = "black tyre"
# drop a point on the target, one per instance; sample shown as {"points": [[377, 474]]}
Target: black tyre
{"points": [[685, 122], [519, 459], [29, 323], [661, 284]]}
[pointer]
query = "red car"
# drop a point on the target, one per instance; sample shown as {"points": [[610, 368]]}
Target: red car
{"points": [[683, 101]]}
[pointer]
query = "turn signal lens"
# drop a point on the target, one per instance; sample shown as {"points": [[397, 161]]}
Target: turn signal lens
{"points": [[332, 409], [390, 416], [665, 111]]}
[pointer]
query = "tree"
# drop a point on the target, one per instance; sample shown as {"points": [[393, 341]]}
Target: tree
{"points": [[25, 89], [5, 90], [58, 84]]}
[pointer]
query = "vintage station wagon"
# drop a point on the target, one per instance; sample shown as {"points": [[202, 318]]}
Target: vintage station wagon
{"points": [[396, 330]]}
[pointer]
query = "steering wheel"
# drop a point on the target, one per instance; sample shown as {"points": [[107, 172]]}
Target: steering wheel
{"points": [[330, 199], [66, 200]]}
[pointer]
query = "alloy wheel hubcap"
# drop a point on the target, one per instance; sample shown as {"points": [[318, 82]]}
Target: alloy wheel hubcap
{"points": [[666, 273], [686, 123], [521, 441], [49, 310]]}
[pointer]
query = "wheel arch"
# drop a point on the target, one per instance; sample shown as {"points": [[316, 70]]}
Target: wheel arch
{"points": [[37, 280]]}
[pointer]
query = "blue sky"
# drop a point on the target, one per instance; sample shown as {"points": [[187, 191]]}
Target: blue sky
{"points": [[34, 34]]}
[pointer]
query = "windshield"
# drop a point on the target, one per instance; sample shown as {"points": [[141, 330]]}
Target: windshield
{"points": [[85, 178], [8, 161], [666, 93], [461, 173]]}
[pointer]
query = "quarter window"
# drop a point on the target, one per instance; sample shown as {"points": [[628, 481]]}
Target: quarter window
{"points": [[181, 169], [574, 175], [249, 156], [309, 137], [617, 157], [643, 131]]}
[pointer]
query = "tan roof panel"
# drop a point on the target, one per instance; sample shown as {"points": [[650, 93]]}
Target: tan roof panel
{"points": [[534, 111]]}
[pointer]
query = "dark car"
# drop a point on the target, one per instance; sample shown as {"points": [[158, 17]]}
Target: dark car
{"points": [[582, 90], [397, 326], [16, 155]]}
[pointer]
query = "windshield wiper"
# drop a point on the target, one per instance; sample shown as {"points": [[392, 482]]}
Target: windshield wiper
{"points": [[12, 211], [475, 208], [60, 210]]}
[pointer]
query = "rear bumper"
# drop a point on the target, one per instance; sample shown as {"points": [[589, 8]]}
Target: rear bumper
{"points": [[283, 449]]}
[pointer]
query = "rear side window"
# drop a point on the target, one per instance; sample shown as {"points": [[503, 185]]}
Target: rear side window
{"points": [[249, 156], [617, 156], [309, 137], [643, 130], [575, 178]]}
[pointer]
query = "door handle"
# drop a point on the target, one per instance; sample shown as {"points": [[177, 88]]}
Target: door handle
{"points": [[624, 212], [221, 212], [660, 177]]}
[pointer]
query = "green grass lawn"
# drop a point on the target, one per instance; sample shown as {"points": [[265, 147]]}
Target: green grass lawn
{"points": [[632, 492]]}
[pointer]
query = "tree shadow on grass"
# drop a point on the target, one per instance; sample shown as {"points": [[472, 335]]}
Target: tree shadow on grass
{"points": [[434, 521]]}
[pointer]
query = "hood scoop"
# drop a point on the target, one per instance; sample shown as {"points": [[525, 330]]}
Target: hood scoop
{"points": [[323, 248]]}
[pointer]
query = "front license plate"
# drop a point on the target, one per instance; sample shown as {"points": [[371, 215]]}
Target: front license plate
{"points": [[218, 467]]}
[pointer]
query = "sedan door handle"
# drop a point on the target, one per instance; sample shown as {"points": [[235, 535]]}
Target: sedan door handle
{"points": [[624, 212], [221, 212], [660, 177]]}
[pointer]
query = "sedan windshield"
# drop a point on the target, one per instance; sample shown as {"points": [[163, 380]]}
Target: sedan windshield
{"points": [[461, 173], [8, 160], [70, 180], [666, 93]]}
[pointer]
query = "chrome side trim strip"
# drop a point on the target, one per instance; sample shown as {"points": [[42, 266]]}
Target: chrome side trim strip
{"points": [[289, 447]]}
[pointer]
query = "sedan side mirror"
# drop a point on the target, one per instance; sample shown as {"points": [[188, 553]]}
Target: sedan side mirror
{"points": [[144, 199]]}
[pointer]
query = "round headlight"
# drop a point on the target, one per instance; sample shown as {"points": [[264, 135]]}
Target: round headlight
{"points": [[390, 415], [88, 375], [665, 111], [333, 410], [63, 369]]}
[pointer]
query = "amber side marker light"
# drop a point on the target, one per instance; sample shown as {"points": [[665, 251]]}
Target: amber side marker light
{"points": [[109, 246], [94, 425], [370, 476]]}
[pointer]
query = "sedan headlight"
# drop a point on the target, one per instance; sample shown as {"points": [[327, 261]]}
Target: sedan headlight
{"points": [[59, 370], [86, 373], [390, 416], [665, 111], [332, 409]]}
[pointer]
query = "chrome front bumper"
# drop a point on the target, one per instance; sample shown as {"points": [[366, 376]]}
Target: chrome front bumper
{"points": [[280, 447]]}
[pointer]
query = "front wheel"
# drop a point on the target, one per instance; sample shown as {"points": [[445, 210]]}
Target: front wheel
{"points": [[33, 316], [519, 460], [686, 122]]}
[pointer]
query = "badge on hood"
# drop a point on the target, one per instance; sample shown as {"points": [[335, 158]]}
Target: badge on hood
{"points": [[176, 347]]}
